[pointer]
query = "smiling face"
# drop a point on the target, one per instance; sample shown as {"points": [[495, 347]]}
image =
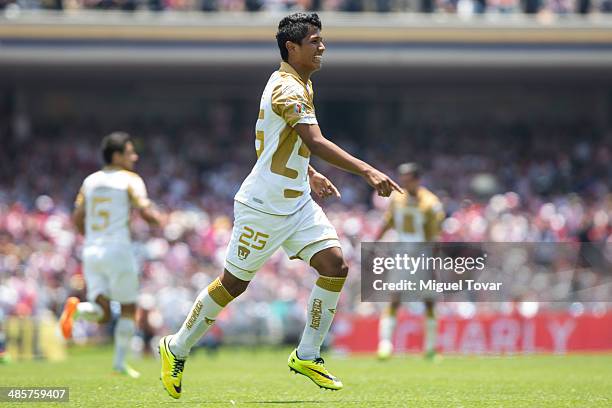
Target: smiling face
{"points": [[307, 56]]}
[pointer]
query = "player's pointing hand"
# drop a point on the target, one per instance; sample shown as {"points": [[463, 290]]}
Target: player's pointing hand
{"points": [[382, 183]]}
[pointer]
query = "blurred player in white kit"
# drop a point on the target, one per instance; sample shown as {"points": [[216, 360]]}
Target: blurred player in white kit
{"points": [[102, 214]]}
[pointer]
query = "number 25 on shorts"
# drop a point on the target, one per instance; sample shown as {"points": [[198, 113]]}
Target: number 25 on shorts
{"points": [[251, 238]]}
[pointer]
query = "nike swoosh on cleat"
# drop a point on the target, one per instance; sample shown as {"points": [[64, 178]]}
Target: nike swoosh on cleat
{"points": [[320, 373], [177, 389]]}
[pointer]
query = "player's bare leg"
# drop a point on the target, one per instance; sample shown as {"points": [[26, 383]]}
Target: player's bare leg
{"points": [[306, 359], [386, 328], [74, 309], [100, 312], [207, 306], [430, 330], [124, 331], [174, 349]]}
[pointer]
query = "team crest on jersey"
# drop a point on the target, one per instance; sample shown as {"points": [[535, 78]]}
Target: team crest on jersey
{"points": [[243, 252], [298, 108]]}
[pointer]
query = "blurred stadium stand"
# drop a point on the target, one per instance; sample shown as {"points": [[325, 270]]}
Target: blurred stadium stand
{"points": [[464, 8], [511, 117]]}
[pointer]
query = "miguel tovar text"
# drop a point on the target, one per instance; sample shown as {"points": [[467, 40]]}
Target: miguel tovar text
{"points": [[433, 285]]}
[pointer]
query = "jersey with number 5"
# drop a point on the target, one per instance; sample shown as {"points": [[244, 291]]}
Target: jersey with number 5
{"points": [[278, 183], [108, 195]]}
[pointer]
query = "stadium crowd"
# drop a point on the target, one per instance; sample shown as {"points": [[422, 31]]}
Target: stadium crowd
{"points": [[460, 7], [539, 188]]}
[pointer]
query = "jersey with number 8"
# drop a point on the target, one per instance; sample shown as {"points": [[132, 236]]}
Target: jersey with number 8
{"points": [[108, 195], [278, 183]]}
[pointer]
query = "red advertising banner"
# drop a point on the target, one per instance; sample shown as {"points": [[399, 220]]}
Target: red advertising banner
{"points": [[549, 332]]}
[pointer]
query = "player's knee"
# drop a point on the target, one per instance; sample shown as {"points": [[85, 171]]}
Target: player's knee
{"points": [[234, 286], [330, 263], [337, 268], [104, 303]]}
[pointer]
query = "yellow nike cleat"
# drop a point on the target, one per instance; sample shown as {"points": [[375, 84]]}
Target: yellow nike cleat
{"points": [[126, 371], [67, 318], [315, 370], [171, 368]]}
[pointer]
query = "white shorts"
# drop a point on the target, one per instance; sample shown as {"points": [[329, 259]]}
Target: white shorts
{"points": [[257, 235], [111, 270]]}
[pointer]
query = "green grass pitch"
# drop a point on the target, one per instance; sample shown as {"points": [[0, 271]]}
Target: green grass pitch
{"points": [[260, 377]]}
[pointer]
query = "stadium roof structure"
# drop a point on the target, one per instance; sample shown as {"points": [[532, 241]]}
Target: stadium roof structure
{"points": [[366, 39]]}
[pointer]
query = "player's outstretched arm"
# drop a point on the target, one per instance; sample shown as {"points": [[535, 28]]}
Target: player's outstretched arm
{"points": [[152, 216], [321, 185], [334, 155], [78, 218]]}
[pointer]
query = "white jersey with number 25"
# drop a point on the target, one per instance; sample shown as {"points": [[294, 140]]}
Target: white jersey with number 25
{"points": [[278, 183]]}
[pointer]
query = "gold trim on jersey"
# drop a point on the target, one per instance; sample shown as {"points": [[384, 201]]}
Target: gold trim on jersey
{"points": [[304, 151], [286, 142], [137, 202], [80, 199], [292, 106], [287, 68], [259, 136], [289, 193]]}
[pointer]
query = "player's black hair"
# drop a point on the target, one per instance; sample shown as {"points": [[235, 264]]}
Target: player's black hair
{"points": [[409, 168], [294, 28], [115, 142]]}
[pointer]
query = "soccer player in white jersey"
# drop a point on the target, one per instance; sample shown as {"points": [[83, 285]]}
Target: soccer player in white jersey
{"points": [[274, 208], [416, 217], [102, 213]]}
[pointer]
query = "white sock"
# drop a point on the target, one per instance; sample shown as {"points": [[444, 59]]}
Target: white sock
{"points": [[204, 311], [321, 310], [431, 333], [90, 311], [386, 327], [124, 331]]}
